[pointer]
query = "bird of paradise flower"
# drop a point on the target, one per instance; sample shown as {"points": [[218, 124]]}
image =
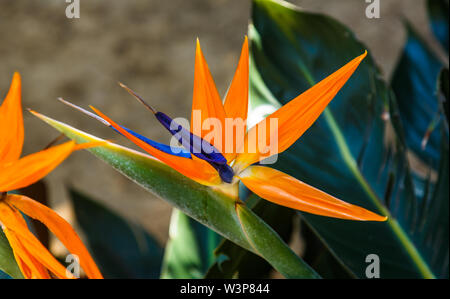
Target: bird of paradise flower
{"points": [[33, 259], [223, 171]]}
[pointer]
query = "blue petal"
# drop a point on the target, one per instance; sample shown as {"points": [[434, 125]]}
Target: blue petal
{"points": [[177, 151], [197, 145]]}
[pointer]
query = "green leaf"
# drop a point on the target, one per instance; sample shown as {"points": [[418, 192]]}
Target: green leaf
{"points": [[344, 152], [7, 261], [443, 91], [3, 275], [320, 258], [414, 84], [435, 224], [189, 251], [438, 14], [213, 209], [121, 249], [233, 261]]}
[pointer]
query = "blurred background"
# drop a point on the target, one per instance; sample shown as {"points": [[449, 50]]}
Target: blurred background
{"points": [[149, 45]]}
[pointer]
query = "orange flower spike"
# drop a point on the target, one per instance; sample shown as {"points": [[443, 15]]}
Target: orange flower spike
{"points": [[294, 119], [31, 246], [11, 123], [28, 265], [282, 189], [32, 168], [299, 114], [236, 101], [206, 99], [197, 170], [33, 259], [60, 228]]}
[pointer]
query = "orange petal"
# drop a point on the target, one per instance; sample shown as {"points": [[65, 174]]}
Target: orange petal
{"points": [[60, 228], [206, 99], [236, 101], [197, 170], [282, 189], [13, 221], [11, 123], [298, 115], [32, 168], [28, 265]]}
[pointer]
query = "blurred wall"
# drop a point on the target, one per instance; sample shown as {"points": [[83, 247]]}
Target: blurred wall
{"points": [[149, 45]]}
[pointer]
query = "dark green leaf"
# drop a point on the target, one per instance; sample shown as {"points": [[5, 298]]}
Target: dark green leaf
{"points": [[443, 91], [320, 258], [344, 152], [189, 251], [414, 84], [434, 225], [120, 249], [3, 275], [438, 14], [233, 261]]}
